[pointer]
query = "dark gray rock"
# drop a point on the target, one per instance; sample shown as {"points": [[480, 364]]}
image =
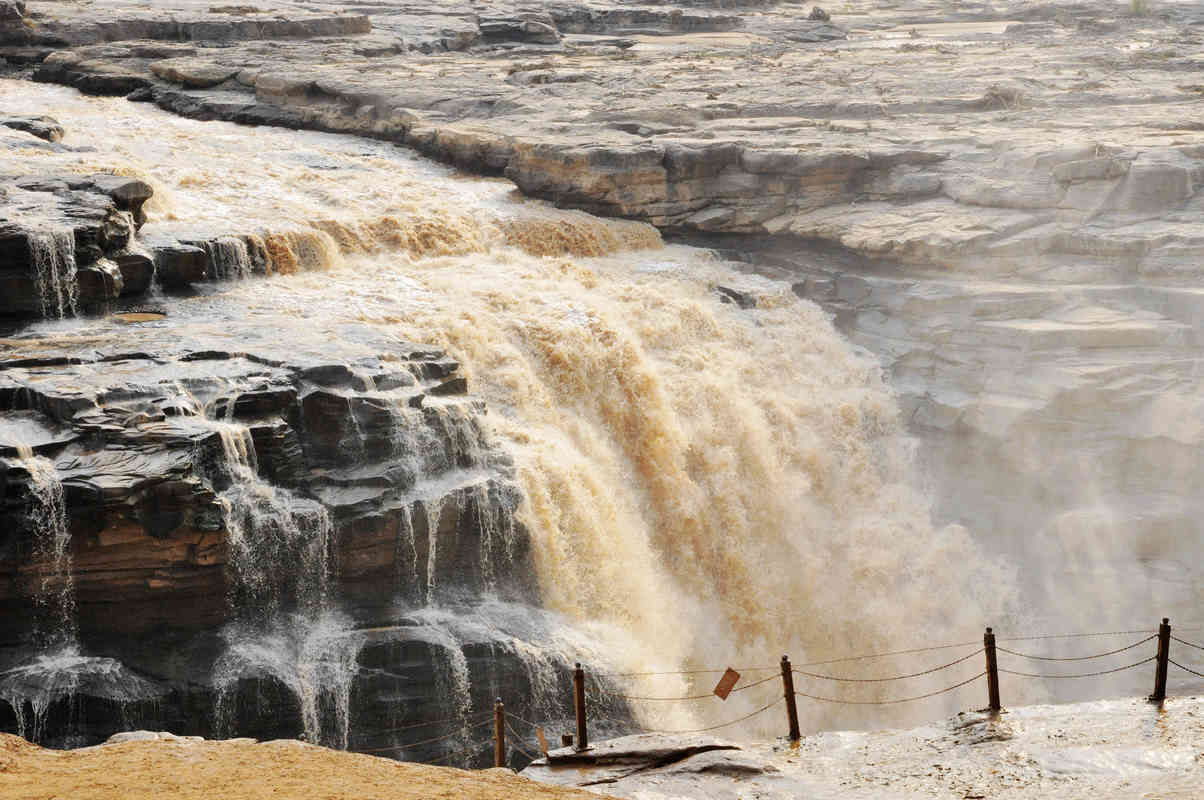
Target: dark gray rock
{"points": [[179, 265], [142, 472], [137, 271], [13, 26], [80, 222], [743, 299], [526, 28], [99, 283], [43, 127], [22, 56]]}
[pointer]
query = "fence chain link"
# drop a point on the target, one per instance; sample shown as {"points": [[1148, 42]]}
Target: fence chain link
{"points": [[1072, 636], [893, 678], [726, 724], [516, 746], [1189, 644], [686, 697], [432, 740], [1083, 674], [456, 720], [890, 702], [1078, 658], [517, 718], [1186, 669]]}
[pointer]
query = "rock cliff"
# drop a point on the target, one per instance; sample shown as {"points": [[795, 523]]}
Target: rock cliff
{"points": [[171, 537]]}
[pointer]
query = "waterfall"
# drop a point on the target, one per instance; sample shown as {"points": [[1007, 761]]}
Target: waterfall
{"points": [[279, 543], [708, 483], [407, 555], [60, 676], [433, 509], [280, 560], [58, 672], [314, 657], [230, 258], [452, 680], [55, 596], [53, 257], [701, 475]]}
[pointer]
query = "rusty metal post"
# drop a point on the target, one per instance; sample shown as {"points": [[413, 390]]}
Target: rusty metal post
{"points": [[988, 644], [1164, 654], [579, 707], [499, 734], [788, 691]]}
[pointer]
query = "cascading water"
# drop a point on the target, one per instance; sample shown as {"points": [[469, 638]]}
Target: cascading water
{"points": [[701, 483], [55, 595], [230, 258], [433, 509], [285, 628], [314, 657], [39, 683], [58, 671], [269, 528], [53, 256]]}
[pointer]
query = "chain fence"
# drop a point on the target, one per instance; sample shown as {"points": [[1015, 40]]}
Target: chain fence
{"points": [[610, 686]]}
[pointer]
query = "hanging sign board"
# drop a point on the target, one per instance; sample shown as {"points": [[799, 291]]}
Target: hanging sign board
{"points": [[726, 683]]}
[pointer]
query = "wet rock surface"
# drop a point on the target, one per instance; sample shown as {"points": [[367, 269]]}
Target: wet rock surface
{"points": [[971, 191], [42, 127], [935, 155], [658, 130], [140, 462], [384, 442], [62, 236]]}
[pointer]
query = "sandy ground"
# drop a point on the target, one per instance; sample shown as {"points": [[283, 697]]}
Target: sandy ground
{"points": [[241, 769]]}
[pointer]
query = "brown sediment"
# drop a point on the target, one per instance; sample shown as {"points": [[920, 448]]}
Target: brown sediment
{"points": [[241, 769], [578, 236]]}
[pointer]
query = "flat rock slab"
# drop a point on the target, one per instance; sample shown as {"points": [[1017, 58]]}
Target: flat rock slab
{"points": [[668, 765]]}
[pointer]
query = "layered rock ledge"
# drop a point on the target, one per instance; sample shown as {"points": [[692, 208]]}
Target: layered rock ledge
{"points": [[142, 459], [204, 489]]}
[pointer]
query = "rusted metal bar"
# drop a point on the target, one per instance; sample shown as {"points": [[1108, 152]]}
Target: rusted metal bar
{"points": [[499, 734], [788, 691], [1164, 655], [988, 644], [579, 707]]}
